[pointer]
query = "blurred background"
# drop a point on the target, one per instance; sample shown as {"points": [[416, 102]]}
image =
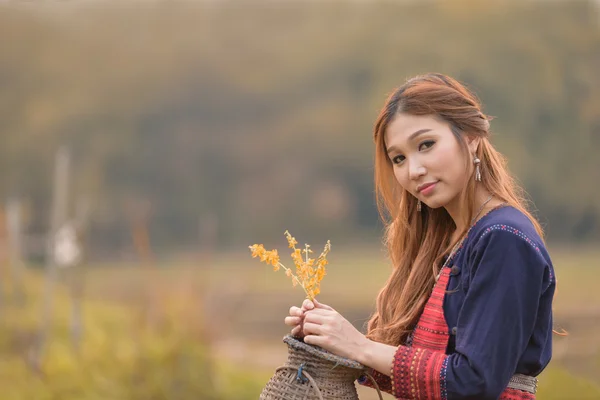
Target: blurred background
{"points": [[145, 144]]}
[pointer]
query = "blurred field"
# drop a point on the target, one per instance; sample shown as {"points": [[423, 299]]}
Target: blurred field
{"points": [[168, 128], [215, 332], [354, 279]]}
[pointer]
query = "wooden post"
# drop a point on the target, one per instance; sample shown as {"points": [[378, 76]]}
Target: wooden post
{"points": [[140, 213], [208, 231], [58, 217], [4, 251], [77, 277], [15, 250]]}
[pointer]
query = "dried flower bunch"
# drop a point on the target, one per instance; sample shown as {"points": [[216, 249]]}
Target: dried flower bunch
{"points": [[309, 272]]}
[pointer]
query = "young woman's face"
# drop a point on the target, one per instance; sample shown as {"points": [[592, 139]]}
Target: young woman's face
{"points": [[427, 158]]}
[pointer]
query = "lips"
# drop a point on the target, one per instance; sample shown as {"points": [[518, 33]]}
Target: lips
{"points": [[426, 187]]}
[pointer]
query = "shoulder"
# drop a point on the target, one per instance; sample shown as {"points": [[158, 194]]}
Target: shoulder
{"points": [[507, 236], [506, 225]]}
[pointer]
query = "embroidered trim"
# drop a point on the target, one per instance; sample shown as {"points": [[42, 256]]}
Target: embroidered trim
{"points": [[510, 229], [420, 374], [517, 232], [443, 372], [515, 394], [383, 381]]}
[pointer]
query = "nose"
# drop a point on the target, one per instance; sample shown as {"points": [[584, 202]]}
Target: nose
{"points": [[415, 170]]}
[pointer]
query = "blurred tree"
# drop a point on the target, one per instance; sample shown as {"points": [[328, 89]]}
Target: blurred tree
{"points": [[262, 115]]}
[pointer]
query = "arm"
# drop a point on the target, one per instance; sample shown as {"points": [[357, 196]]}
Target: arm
{"points": [[380, 355]]}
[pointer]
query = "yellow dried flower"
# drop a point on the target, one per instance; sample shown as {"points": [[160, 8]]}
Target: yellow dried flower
{"points": [[321, 273], [273, 259], [309, 272], [291, 240], [257, 250], [297, 257], [263, 256]]}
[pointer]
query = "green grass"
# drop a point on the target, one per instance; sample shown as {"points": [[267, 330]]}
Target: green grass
{"points": [[558, 384], [356, 276], [239, 304]]}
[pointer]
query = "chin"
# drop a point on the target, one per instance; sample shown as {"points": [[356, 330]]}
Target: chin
{"points": [[435, 204]]}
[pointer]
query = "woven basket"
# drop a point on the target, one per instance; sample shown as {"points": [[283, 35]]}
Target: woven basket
{"points": [[311, 373]]}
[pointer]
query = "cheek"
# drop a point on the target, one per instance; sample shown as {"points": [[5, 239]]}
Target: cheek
{"points": [[404, 181], [449, 163], [401, 177]]}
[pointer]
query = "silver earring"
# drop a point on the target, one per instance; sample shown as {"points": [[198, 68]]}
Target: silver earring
{"points": [[419, 205], [477, 161]]}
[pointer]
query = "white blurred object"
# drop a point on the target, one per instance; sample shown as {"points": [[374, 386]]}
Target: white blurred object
{"points": [[67, 251]]}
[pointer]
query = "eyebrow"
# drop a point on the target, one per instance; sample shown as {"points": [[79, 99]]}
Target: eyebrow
{"points": [[411, 137]]}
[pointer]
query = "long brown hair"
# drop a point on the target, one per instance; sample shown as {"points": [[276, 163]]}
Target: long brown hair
{"points": [[417, 241]]}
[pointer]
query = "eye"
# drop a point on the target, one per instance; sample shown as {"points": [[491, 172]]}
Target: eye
{"points": [[426, 145], [398, 159]]}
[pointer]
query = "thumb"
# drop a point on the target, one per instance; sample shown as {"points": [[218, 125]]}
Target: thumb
{"points": [[308, 305], [322, 306]]}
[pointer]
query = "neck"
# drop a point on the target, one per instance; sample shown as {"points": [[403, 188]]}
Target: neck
{"points": [[457, 211]]}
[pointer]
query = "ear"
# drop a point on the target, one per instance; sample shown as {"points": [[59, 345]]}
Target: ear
{"points": [[473, 143]]}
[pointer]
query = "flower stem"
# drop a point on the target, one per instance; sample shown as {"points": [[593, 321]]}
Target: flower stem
{"points": [[306, 253], [294, 277]]}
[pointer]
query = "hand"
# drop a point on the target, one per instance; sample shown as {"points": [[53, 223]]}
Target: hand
{"points": [[296, 317], [324, 327]]}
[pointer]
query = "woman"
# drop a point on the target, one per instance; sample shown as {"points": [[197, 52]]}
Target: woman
{"points": [[467, 310]]}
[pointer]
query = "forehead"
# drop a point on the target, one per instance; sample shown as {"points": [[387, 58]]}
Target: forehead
{"points": [[403, 125]]}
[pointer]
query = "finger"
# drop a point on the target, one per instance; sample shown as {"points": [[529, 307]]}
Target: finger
{"points": [[297, 331], [307, 305], [296, 311], [315, 340], [315, 318], [321, 305], [320, 311], [310, 328], [292, 321]]}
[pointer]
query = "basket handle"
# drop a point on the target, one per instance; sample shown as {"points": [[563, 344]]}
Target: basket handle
{"points": [[307, 375], [375, 385]]}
